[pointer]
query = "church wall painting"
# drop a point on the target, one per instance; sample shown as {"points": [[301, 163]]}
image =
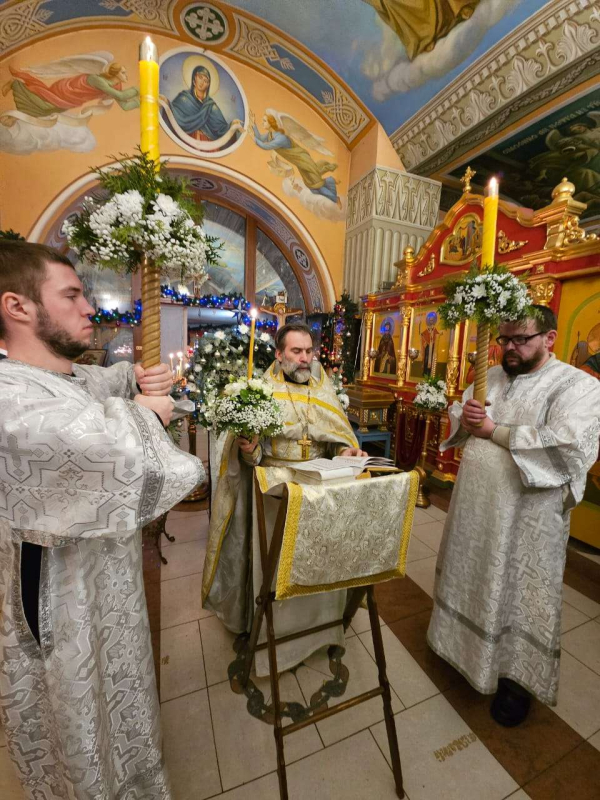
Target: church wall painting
{"points": [[533, 161], [431, 340], [117, 131], [386, 343], [578, 343], [55, 102], [203, 106], [578, 340], [296, 156]]}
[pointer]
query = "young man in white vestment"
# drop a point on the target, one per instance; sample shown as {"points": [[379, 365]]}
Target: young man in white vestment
{"points": [[315, 426], [84, 464], [498, 589]]}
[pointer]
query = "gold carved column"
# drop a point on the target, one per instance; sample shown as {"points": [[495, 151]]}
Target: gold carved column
{"points": [[452, 368], [368, 328], [405, 313]]}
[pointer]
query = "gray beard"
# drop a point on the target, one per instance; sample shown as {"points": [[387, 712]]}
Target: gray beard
{"points": [[293, 371]]}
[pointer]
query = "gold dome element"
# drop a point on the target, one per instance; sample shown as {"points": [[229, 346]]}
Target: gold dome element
{"points": [[563, 191]]}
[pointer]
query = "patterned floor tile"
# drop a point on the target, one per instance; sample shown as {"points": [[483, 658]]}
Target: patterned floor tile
{"points": [[423, 573], [181, 664], [519, 750], [362, 677], [417, 549], [189, 747], [430, 534], [217, 645], [578, 696], [571, 617], [401, 598], [442, 758], [584, 644], [245, 745], [582, 603], [406, 677], [181, 601], [577, 775], [184, 559]]}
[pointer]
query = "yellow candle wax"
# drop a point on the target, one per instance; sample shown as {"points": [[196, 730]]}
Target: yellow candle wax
{"points": [[149, 99], [490, 216], [253, 314]]}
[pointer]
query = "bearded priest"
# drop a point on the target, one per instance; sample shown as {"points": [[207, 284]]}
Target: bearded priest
{"points": [[315, 426]]}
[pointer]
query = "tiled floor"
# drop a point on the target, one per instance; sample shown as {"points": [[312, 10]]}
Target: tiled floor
{"points": [[450, 747]]}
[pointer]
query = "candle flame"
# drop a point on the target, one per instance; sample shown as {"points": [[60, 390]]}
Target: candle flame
{"points": [[253, 313], [493, 187]]}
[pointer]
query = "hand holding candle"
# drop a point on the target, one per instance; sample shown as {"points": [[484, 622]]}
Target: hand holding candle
{"points": [[253, 314]]}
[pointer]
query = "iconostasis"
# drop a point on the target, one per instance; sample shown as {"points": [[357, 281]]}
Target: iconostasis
{"points": [[404, 341]]}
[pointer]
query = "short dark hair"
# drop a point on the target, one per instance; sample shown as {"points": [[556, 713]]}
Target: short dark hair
{"points": [[23, 269], [545, 318], [298, 327]]}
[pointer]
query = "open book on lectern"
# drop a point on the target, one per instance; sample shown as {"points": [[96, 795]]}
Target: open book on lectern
{"points": [[329, 469]]}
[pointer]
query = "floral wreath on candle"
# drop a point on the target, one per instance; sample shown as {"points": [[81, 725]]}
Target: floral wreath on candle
{"points": [[141, 212], [489, 296]]}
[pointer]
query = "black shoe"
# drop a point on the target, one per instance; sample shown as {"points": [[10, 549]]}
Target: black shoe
{"points": [[511, 703]]}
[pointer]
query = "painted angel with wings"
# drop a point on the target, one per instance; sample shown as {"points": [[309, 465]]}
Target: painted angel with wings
{"points": [[60, 86], [290, 142]]}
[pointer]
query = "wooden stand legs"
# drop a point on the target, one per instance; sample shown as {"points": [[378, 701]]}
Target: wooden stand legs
{"points": [[264, 610]]}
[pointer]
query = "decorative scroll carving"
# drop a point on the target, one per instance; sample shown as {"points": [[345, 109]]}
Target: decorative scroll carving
{"points": [[535, 62], [428, 269], [574, 234], [506, 245], [259, 46]]}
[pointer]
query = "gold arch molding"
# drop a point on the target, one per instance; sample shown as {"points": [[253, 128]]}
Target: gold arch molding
{"points": [[217, 183]]}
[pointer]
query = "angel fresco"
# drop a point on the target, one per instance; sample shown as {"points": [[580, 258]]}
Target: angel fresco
{"points": [[54, 102], [303, 177]]}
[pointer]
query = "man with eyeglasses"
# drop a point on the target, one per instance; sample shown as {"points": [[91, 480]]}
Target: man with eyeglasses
{"points": [[498, 590]]}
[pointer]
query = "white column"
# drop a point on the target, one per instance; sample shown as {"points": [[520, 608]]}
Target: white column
{"points": [[380, 225]]}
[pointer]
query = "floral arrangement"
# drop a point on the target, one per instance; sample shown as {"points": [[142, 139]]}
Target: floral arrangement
{"points": [[142, 212], [220, 355], [246, 408], [487, 296], [431, 394], [340, 388]]}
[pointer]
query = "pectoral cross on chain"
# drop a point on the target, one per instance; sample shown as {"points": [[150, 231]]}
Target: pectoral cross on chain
{"points": [[305, 444]]}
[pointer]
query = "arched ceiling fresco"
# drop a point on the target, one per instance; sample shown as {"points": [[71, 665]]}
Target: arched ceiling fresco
{"points": [[451, 81]]}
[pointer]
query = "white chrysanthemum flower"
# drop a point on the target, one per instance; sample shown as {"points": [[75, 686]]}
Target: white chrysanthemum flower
{"points": [[243, 329], [264, 337], [168, 206], [220, 335]]}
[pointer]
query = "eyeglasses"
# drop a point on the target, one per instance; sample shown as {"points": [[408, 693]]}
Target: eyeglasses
{"points": [[516, 340]]}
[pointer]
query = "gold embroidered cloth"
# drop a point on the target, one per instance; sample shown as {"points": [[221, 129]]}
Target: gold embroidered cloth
{"points": [[342, 534]]}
